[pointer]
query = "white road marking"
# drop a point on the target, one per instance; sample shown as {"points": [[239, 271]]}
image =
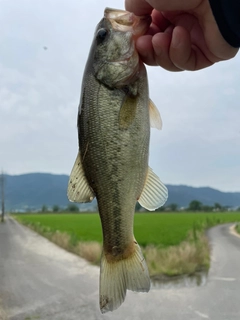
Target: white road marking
{"points": [[224, 279], [202, 315]]}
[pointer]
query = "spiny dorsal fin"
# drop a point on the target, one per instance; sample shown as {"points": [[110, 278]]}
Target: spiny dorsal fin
{"points": [[155, 117], [78, 187], [154, 193]]}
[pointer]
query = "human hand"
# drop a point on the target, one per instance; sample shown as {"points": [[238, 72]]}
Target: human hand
{"points": [[183, 35]]}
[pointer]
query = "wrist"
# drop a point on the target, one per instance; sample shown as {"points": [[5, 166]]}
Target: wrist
{"points": [[227, 16], [216, 43]]}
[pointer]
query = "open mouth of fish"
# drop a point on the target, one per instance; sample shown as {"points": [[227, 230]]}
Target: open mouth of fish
{"points": [[126, 21]]}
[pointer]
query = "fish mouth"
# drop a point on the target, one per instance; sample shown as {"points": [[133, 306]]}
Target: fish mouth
{"points": [[126, 21], [133, 27]]}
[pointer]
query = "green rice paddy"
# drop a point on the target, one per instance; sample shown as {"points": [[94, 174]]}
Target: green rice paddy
{"points": [[161, 229]]}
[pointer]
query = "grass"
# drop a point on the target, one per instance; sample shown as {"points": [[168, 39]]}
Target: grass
{"points": [[238, 227], [80, 227], [185, 258], [173, 243]]}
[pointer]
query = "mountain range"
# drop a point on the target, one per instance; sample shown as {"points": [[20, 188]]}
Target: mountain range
{"points": [[33, 190]]}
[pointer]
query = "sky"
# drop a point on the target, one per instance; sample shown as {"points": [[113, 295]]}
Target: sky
{"points": [[44, 45]]}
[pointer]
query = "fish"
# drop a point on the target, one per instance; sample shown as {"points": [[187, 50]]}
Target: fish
{"points": [[114, 119]]}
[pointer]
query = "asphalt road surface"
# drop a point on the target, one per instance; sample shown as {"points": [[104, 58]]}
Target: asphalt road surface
{"points": [[39, 280]]}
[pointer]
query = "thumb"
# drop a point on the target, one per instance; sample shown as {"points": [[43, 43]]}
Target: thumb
{"points": [[138, 7], [169, 5]]}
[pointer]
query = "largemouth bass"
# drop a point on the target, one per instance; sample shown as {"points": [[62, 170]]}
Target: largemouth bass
{"points": [[114, 120]]}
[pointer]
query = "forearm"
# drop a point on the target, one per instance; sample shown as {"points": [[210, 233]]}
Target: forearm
{"points": [[227, 15]]}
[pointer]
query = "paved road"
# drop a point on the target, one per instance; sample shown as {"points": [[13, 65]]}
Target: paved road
{"points": [[39, 280]]}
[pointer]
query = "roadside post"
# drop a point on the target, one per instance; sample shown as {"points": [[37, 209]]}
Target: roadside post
{"points": [[2, 196]]}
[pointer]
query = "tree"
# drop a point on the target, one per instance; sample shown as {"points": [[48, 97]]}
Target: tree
{"points": [[217, 206], [207, 208], [72, 208], [195, 205], [44, 208], [55, 208], [173, 206], [161, 209]]}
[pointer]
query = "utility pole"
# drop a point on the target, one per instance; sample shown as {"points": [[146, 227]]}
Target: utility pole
{"points": [[2, 193]]}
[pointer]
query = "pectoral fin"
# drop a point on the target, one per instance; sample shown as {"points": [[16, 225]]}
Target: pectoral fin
{"points": [[78, 187], [155, 118], [127, 112], [154, 194]]}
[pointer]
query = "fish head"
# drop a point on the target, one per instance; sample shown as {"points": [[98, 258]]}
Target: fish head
{"points": [[115, 59]]}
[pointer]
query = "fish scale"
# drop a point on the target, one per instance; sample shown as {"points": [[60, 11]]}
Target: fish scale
{"points": [[103, 140]]}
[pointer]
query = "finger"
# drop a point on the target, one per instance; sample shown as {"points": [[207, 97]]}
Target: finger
{"points": [[170, 5], [153, 29], [145, 50], [159, 20], [184, 54], [139, 7], [161, 43]]}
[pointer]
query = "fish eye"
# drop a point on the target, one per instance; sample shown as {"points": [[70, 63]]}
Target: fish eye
{"points": [[101, 35]]}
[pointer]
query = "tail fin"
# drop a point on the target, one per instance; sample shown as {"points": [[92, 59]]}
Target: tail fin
{"points": [[118, 276]]}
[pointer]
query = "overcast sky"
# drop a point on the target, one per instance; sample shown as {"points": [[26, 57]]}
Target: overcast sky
{"points": [[44, 45]]}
